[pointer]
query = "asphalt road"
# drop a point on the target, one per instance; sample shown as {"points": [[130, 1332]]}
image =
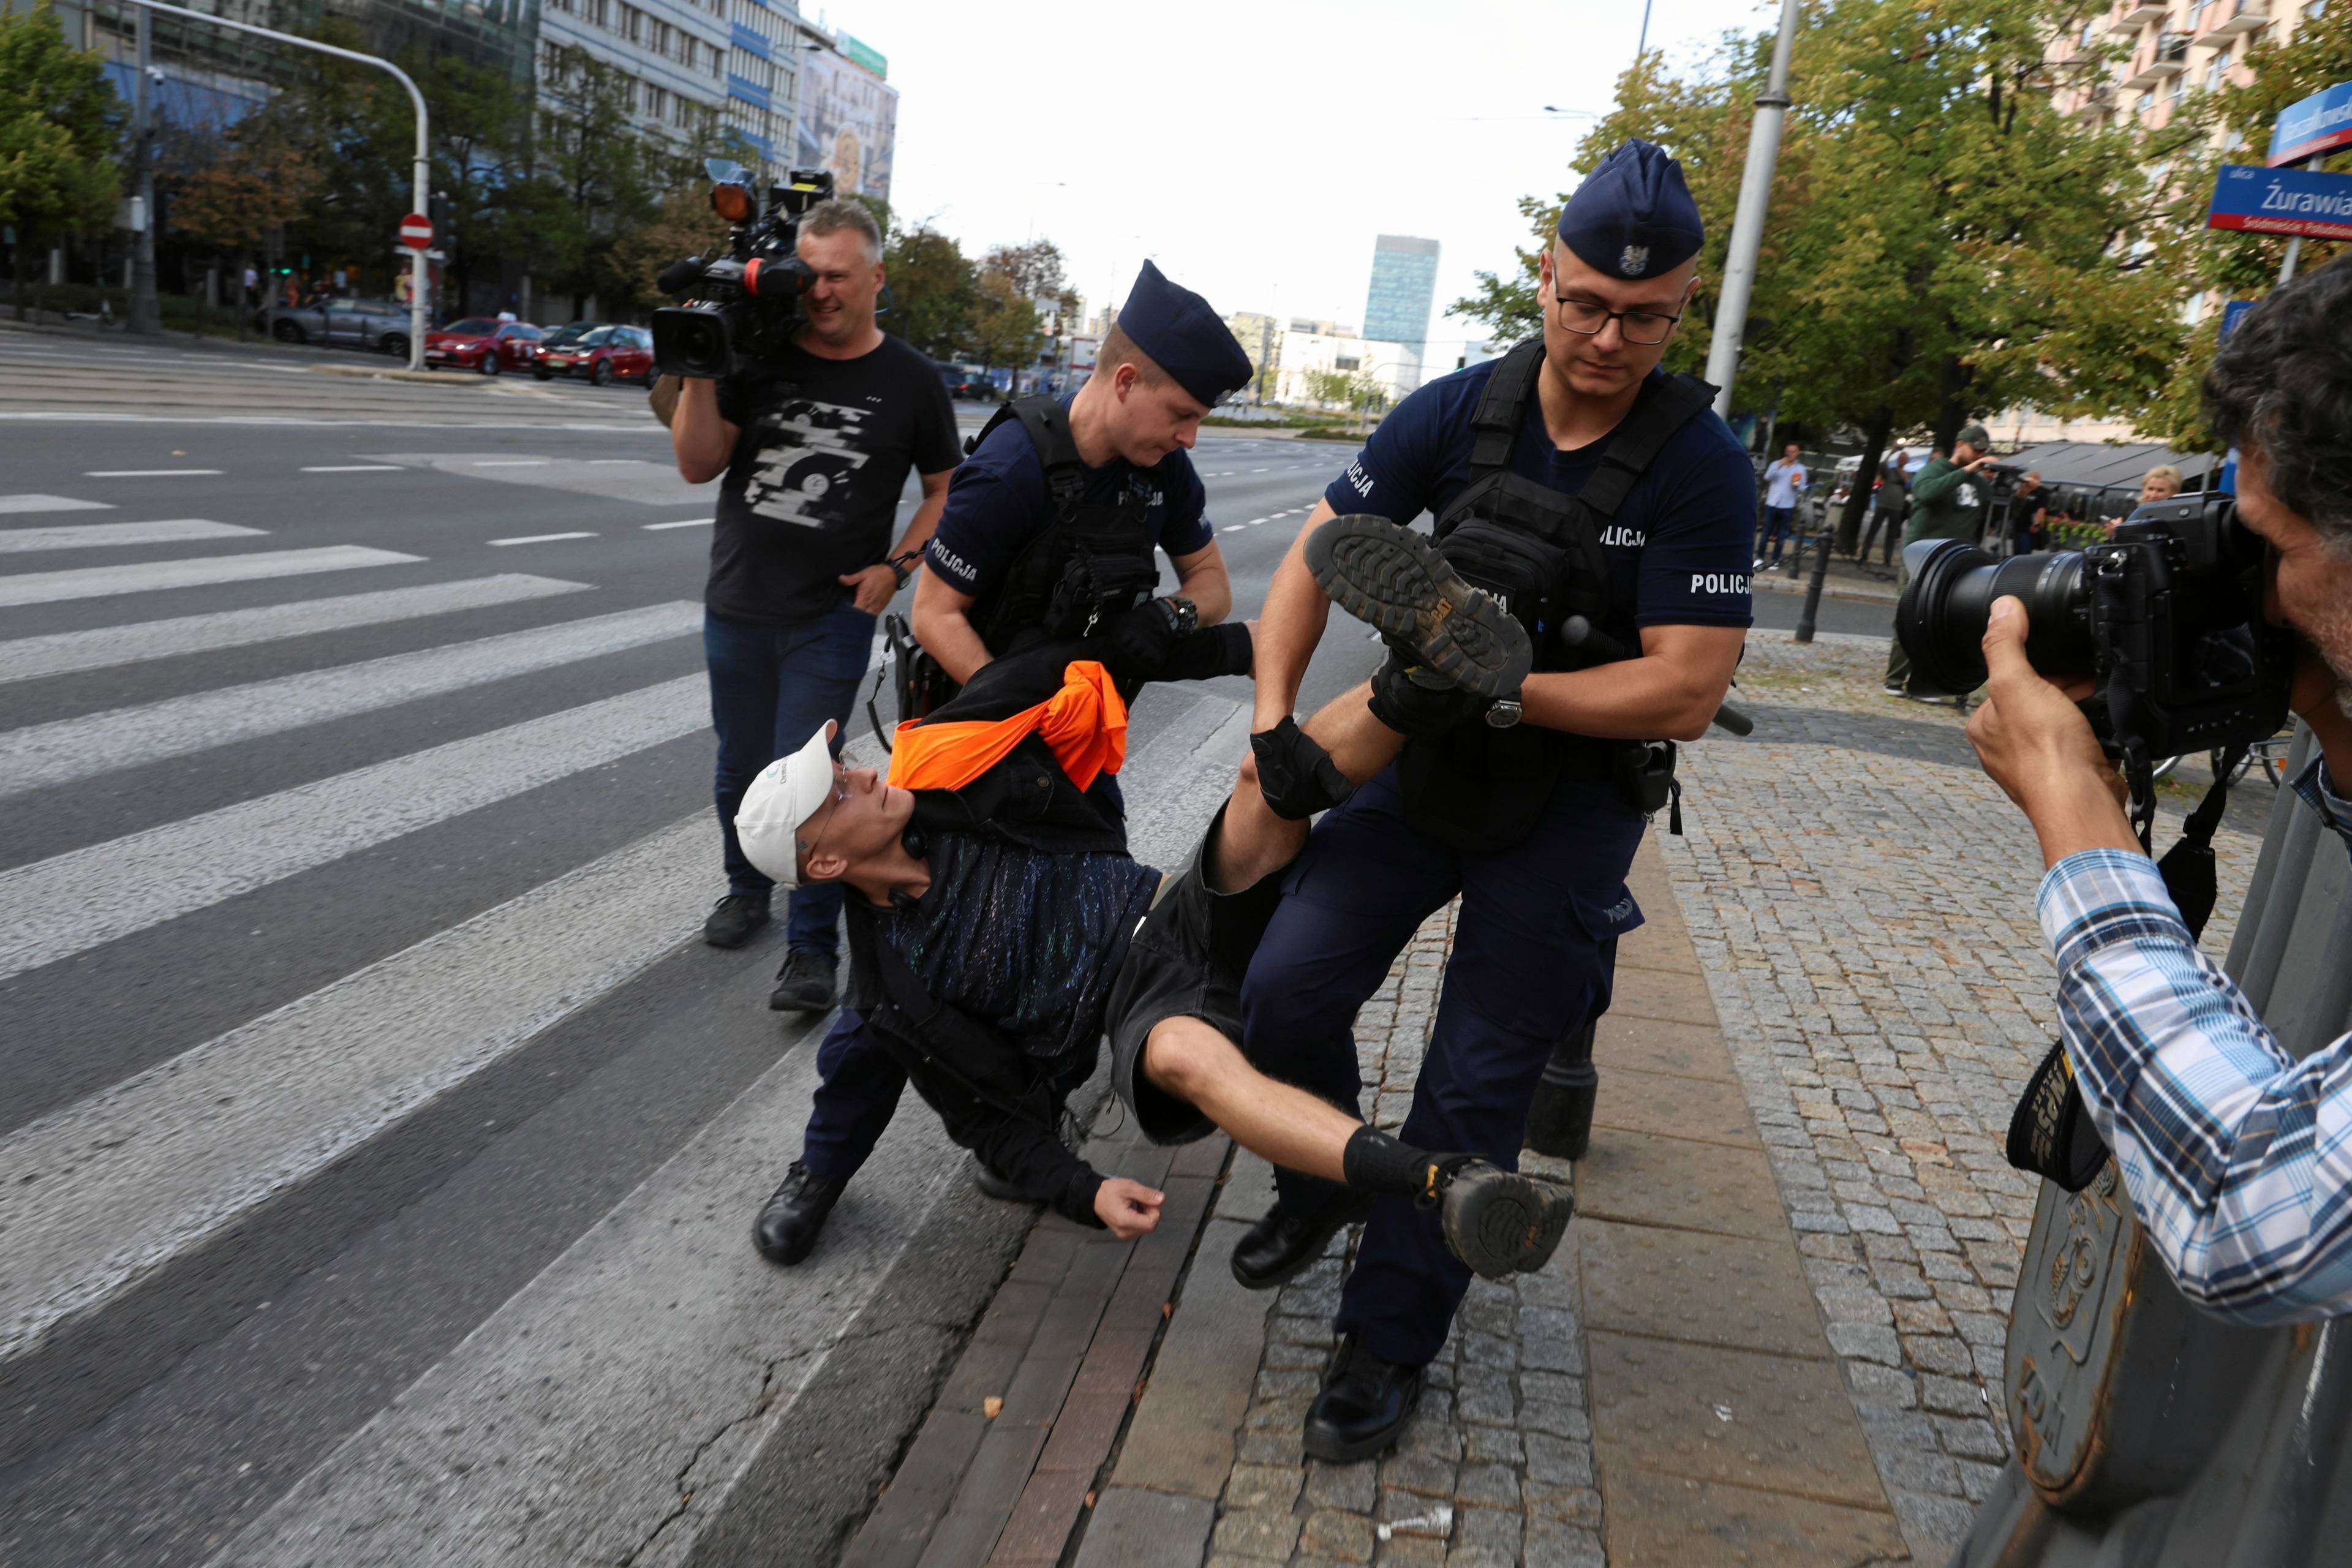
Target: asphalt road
{"points": [[351, 1017]]}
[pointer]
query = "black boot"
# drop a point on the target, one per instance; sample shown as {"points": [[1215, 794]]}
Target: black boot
{"points": [[805, 984], [1294, 1234], [1365, 1403], [734, 917], [787, 1228], [1497, 1221], [1395, 581]]}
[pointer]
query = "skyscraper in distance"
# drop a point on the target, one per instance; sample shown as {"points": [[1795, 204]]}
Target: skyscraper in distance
{"points": [[1404, 286]]}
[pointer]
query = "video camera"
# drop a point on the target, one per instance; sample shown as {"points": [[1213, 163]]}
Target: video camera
{"points": [[2167, 616], [736, 305]]}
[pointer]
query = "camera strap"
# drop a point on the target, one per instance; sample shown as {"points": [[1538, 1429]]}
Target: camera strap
{"points": [[2050, 1132]]}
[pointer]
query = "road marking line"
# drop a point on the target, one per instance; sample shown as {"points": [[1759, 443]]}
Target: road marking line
{"points": [[602, 462], [99, 581], [1259, 470], [71, 903], [508, 463], [354, 468], [540, 538], [51, 503], [188, 1148], [41, 756], [87, 535], [145, 473], [686, 522], [1232, 528], [65, 653]]}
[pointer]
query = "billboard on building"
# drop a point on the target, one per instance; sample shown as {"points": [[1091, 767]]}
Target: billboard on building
{"points": [[849, 124]]}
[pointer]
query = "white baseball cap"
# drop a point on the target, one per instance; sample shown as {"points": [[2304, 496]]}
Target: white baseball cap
{"points": [[786, 794]]}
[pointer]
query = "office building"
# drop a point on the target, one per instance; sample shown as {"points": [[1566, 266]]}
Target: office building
{"points": [[673, 52], [1404, 287], [848, 119]]}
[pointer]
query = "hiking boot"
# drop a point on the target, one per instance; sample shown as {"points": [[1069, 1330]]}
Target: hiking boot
{"points": [[1497, 1221], [805, 984], [789, 1223], [1396, 582], [734, 917]]}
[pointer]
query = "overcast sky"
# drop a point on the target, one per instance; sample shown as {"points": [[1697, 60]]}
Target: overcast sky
{"points": [[1253, 150]]}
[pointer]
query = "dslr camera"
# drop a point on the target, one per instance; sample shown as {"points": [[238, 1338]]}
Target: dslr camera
{"points": [[739, 307], [2166, 617]]}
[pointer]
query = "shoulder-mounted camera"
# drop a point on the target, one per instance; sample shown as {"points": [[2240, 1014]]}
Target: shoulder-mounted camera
{"points": [[740, 307]]}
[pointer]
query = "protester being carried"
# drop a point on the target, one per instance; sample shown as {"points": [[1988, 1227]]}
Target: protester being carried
{"points": [[999, 926]]}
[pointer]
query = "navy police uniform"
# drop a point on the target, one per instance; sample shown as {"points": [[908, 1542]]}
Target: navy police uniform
{"points": [[1052, 549], [1533, 829]]}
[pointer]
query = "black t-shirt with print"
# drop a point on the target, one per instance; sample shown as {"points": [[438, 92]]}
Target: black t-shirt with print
{"points": [[812, 491]]}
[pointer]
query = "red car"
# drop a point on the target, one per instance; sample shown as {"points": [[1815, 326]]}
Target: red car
{"points": [[602, 355], [481, 344]]}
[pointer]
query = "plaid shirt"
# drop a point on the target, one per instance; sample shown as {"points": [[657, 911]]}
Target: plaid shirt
{"points": [[2238, 1157]]}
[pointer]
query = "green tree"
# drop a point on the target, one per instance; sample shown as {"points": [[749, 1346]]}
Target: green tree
{"points": [[229, 192], [2236, 265], [598, 177], [60, 126], [1006, 329], [934, 290], [1943, 243]]}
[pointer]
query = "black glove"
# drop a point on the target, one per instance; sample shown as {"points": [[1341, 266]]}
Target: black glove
{"points": [[1140, 641], [1297, 776], [1410, 708]]}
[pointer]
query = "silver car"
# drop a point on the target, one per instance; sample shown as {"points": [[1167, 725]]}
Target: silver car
{"points": [[342, 323]]}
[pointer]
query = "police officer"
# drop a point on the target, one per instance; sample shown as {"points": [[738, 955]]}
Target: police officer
{"points": [[1574, 480], [1051, 524], [1051, 531]]}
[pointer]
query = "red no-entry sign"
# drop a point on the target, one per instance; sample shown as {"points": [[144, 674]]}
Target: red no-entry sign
{"points": [[417, 231]]}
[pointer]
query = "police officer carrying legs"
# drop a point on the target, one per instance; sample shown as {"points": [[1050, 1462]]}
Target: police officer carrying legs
{"points": [[1051, 532], [1585, 489]]}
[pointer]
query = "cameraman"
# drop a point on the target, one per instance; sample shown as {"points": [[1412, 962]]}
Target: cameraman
{"points": [[1947, 501], [815, 441], [2233, 1150]]}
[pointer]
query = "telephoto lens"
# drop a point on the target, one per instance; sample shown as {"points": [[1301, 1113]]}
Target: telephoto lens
{"points": [[1943, 614]]}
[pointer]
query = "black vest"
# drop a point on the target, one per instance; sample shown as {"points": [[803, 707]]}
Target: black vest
{"points": [[1483, 789], [1091, 559]]}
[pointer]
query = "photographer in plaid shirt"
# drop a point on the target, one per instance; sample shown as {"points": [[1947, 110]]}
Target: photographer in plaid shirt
{"points": [[2238, 1157]]}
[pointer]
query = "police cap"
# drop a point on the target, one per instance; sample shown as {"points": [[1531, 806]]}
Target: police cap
{"points": [[1633, 217], [1183, 337]]}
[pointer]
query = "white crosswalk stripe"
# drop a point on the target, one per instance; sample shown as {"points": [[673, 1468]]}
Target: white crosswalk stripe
{"points": [[100, 536], [19, 503], [69, 903], [100, 582], [41, 755], [63, 653], [119, 1183]]}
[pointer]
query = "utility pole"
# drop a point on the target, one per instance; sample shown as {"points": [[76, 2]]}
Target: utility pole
{"points": [[1748, 219], [146, 313], [419, 199]]}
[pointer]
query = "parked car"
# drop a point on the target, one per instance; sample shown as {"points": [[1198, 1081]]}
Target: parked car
{"points": [[974, 384], [481, 343], [602, 353], [342, 323]]}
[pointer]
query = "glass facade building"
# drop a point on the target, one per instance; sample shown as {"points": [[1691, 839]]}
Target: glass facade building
{"points": [[1404, 286]]}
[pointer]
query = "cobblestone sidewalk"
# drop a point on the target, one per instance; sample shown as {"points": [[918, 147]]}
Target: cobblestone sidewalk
{"points": [[1861, 899]]}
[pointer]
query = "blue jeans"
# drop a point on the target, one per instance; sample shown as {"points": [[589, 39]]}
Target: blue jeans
{"points": [[770, 688], [1776, 529], [1535, 952]]}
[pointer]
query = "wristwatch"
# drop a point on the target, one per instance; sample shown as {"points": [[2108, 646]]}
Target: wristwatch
{"points": [[902, 566], [1184, 615]]}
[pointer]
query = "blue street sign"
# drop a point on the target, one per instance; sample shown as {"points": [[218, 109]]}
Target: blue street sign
{"points": [[2316, 125], [2282, 201], [2233, 314]]}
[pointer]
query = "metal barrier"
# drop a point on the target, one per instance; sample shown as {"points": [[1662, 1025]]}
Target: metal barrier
{"points": [[2149, 1433]]}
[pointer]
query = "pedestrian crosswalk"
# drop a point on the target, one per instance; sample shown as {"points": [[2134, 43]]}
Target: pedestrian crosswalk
{"points": [[196, 752]]}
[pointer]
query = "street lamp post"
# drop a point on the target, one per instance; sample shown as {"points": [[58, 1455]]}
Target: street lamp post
{"points": [[423, 146], [1747, 218]]}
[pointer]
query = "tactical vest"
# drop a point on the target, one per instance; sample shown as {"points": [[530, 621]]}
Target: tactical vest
{"points": [[1091, 559], [1538, 552]]}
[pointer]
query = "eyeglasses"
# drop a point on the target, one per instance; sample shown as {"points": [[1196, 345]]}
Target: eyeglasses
{"points": [[1588, 316], [840, 799]]}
